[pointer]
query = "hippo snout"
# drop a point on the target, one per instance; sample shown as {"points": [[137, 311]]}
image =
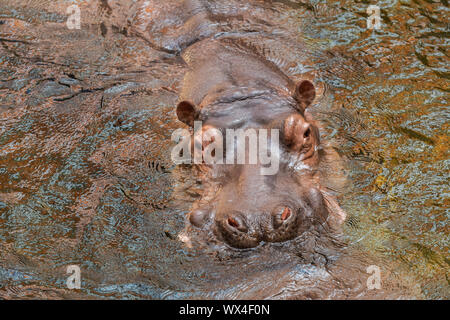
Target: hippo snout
{"points": [[247, 230]]}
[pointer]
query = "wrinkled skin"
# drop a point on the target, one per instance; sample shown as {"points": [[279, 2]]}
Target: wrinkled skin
{"points": [[254, 208], [228, 86]]}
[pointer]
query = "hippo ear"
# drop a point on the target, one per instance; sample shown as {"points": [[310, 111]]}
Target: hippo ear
{"points": [[187, 112], [305, 93]]}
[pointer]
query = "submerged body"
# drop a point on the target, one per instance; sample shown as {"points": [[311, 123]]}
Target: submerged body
{"points": [[230, 86]]}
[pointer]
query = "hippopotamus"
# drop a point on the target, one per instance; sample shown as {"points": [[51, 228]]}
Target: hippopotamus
{"points": [[230, 86]]}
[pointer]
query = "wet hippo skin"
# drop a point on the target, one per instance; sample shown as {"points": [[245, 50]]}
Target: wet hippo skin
{"points": [[229, 86]]}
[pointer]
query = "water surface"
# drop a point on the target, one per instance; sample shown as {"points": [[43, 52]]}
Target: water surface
{"points": [[86, 118]]}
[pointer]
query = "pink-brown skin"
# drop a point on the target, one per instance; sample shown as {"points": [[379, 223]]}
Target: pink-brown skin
{"points": [[241, 90], [229, 86]]}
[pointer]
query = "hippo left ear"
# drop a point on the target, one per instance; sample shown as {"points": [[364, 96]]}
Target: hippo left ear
{"points": [[187, 112], [305, 92]]}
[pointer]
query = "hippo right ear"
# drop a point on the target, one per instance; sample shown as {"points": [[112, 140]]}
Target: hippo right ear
{"points": [[187, 112]]}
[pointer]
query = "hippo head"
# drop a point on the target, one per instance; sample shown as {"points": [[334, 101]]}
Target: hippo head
{"points": [[249, 207]]}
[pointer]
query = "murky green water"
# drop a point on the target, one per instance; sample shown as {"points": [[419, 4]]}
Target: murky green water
{"points": [[86, 178], [392, 85]]}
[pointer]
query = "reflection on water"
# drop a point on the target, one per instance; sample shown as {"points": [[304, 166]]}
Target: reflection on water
{"points": [[85, 172]]}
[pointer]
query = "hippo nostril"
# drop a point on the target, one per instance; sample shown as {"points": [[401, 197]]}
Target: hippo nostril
{"points": [[280, 216], [286, 213], [232, 222], [236, 223]]}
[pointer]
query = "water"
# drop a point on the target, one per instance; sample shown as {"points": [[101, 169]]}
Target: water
{"points": [[86, 178]]}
